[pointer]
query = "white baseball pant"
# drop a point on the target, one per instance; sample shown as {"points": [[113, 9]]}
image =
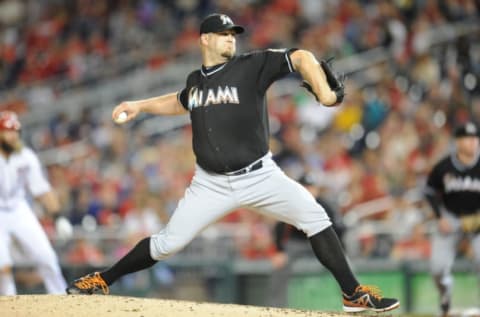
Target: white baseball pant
{"points": [[211, 196], [444, 250], [22, 225]]}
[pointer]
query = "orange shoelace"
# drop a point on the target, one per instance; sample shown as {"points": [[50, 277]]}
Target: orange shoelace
{"points": [[93, 281], [370, 289]]}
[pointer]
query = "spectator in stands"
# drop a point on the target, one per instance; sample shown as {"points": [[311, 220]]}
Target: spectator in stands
{"points": [[415, 247], [85, 253]]}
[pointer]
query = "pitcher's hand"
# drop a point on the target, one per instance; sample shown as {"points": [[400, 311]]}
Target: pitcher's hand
{"points": [[130, 108]]}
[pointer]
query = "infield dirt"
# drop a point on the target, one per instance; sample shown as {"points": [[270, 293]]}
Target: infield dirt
{"points": [[118, 306]]}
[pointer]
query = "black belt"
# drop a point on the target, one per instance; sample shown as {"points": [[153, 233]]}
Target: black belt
{"points": [[246, 170]]}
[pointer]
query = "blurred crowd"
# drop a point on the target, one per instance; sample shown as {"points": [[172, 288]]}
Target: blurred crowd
{"points": [[369, 157], [78, 43]]}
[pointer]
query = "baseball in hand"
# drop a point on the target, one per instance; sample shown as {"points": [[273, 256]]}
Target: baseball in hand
{"points": [[122, 117]]}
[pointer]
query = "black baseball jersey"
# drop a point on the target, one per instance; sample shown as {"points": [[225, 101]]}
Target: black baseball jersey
{"points": [[457, 185], [228, 110]]}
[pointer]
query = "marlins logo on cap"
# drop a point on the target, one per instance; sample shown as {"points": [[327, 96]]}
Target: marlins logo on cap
{"points": [[467, 129], [216, 23]]}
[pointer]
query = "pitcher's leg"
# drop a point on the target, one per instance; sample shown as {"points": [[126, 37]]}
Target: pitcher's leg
{"points": [[286, 200], [206, 200], [199, 207]]}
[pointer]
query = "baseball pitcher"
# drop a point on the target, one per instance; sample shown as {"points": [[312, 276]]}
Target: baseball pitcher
{"points": [[226, 102]]}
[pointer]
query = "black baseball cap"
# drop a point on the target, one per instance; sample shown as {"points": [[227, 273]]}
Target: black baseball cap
{"points": [[216, 23], [466, 129]]}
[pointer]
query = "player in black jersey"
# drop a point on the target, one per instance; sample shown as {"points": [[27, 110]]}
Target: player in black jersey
{"points": [[453, 191], [226, 102]]}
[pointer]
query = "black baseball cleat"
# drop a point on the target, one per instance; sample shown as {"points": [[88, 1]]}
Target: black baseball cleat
{"points": [[368, 298], [88, 284]]}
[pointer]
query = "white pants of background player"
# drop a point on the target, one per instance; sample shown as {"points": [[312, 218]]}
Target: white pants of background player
{"points": [[444, 250], [22, 225], [211, 196]]}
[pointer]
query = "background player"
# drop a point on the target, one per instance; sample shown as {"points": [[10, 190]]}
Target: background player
{"points": [[226, 102], [453, 191], [20, 170]]}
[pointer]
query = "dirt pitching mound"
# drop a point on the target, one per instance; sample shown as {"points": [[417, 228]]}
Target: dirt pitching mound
{"points": [[109, 306]]}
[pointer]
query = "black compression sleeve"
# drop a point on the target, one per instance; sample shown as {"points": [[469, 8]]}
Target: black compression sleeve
{"points": [[137, 259], [329, 252]]}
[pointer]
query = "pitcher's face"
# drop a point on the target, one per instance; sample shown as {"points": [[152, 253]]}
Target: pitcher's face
{"points": [[226, 43], [222, 43]]}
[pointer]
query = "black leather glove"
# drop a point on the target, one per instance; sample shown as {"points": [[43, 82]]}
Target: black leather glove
{"points": [[335, 81]]}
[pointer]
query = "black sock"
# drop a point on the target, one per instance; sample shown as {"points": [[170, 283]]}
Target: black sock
{"points": [[137, 259], [329, 252]]}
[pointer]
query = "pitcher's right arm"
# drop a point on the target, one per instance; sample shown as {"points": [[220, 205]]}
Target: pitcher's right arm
{"points": [[162, 105]]}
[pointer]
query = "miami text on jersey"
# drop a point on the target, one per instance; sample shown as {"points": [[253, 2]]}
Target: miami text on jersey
{"points": [[456, 183], [214, 97]]}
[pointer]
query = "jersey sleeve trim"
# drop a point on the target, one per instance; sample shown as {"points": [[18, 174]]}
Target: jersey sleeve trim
{"points": [[289, 61]]}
